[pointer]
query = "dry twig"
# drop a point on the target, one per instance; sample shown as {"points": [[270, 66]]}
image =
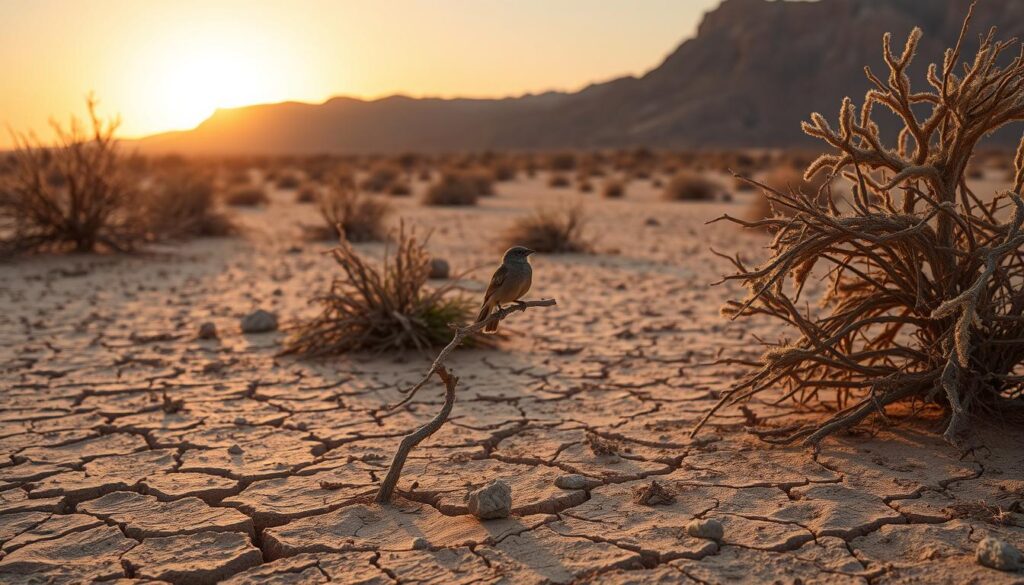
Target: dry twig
{"points": [[387, 487]]}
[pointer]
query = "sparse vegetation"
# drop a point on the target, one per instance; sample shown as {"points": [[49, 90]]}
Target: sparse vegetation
{"points": [[452, 188], [77, 195], [379, 309], [348, 213], [613, 189], [550, 229], [249, 196], [558, 181], [183, 204], [688, 186], [923, 301]]}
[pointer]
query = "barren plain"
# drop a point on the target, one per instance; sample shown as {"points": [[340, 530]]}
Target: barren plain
{"points": [[134, 451]]}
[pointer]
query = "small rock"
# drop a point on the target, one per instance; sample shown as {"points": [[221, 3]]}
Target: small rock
{"points": [[207, 331], [652, 222], [241, 420], [575, 481], [439, 268], [708, 528], [998, 554], [494, 500], [419, 543], [653, 494], [235, 449], [259, 321]]}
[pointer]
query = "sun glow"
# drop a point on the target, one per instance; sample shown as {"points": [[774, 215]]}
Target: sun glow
{"points": [[183, 80]]}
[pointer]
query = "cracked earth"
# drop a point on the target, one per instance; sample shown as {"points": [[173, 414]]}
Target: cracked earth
{"points": [[134, 451]]}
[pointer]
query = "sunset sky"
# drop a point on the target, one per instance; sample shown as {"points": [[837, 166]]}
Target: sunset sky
{"points": [[166, 65]]}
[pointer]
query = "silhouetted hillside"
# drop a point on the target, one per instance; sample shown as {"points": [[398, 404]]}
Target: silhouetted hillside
{"points": [[752, 73]]}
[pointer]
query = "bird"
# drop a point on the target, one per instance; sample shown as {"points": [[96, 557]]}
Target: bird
{"points": [[511, 281]]}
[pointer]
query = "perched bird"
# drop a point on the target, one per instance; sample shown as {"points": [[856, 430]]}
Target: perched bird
{"points": [[511, 281]]}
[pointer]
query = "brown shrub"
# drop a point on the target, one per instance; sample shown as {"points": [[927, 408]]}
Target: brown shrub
{"points": [[549, 229], [452, 189], [183, 204], [306, 194], [380, 309], [247, 197], [348, 213], [686, 186], [613, 189], [380, 178], [558, 181], [77, 195]]}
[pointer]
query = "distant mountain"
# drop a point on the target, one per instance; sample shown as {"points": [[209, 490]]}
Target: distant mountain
{"points": [[752, 73]]}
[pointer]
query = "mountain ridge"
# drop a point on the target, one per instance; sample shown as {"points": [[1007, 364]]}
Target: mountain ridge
{"points": [[752, 72]]}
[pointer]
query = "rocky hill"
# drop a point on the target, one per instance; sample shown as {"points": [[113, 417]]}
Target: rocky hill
{"points": [[753, 71]]}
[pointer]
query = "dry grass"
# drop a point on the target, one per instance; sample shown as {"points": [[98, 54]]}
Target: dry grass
{"points": [[77, 195], [687, 186], [923, 299], [250, 196], [349, 214], [182, 204], [453, 189], [308, 193], [549, 229], [381, 309]]}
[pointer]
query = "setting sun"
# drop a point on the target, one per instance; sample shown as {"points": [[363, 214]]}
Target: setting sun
{"points": [[189, 87]]}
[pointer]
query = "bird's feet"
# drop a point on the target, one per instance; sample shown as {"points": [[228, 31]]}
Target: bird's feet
{"points": [[521, 305]]}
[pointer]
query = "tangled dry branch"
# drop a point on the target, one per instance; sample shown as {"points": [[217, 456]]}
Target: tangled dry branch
{"points": [[925, 295]]}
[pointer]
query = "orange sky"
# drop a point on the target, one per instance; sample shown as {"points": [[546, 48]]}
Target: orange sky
{"points": [[166, 65]]}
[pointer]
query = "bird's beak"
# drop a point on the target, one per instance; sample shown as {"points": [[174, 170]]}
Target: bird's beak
{"points": [[530, 252]]}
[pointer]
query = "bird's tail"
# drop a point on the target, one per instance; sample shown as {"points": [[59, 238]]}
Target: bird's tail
{"points": [[485, 311]]}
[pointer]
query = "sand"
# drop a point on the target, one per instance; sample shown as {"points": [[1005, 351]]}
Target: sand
{"points": [[264, 468]]}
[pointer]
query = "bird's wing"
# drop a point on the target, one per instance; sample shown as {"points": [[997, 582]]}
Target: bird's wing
{"points": [[496, 280]]}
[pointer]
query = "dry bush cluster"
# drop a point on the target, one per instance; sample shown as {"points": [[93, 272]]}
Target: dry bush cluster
{"points": [[183, 203], [549, 229], [77, 195], [689, 186], [380, 309], [350, 215], [924, 299]]}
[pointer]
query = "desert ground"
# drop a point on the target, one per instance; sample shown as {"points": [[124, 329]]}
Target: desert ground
{"points": [[135, 451]]}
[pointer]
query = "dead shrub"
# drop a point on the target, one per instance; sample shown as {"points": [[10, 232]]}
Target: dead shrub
{"points": [[613, 189], [453, 189], [77, 195], [687, 186], [399, 189], [549, 229], [381, 308], [349, 214], [250, 196], [307, 193], [558, 181], [182, 204], [923, 299], [380, 178], [288, 181]]}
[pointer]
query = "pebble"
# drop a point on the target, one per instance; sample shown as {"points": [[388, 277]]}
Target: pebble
{"points": [[259, 321], [494, 500], [998, 554], [706, 528]]}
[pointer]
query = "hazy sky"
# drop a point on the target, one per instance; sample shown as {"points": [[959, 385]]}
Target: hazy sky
{"points": [[167, 64]]}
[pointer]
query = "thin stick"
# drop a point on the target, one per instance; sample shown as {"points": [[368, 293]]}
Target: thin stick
{"points": [[387, 487]]}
